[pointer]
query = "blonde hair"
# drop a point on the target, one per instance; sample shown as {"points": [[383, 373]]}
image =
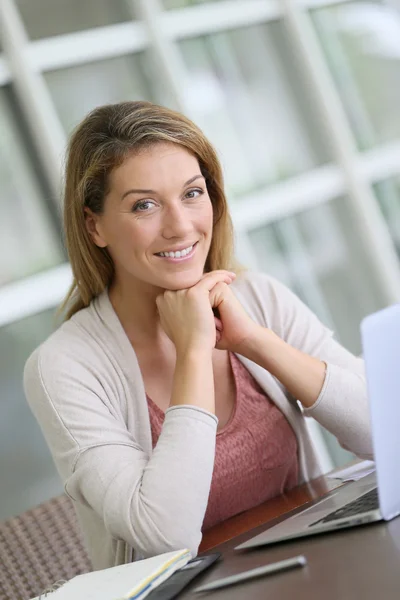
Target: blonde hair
{"points": [[101, 143]]}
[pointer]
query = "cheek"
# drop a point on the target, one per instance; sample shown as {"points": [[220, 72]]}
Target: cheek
{"points": [[128, 236], [206, 217]]}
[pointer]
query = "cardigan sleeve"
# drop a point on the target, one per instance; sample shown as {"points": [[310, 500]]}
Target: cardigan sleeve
{"points": [[342, 406], [154, 503]]}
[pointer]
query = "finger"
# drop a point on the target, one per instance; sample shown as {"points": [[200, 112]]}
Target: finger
{"points": [[218, 324], [218, 273], [230, 274], [218, 293], [211, 279]]}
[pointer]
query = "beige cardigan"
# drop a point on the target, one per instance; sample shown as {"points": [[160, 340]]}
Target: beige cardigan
{"points": [[85, 389]]}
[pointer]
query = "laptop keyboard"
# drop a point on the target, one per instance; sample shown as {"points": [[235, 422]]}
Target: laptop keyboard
{"points": [[363, 504]]}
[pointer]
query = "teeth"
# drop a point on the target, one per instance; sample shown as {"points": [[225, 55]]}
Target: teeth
{"points": [[177, 254]]}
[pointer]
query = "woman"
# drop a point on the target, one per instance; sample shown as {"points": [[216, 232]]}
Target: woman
{"points": [[170, 396]]}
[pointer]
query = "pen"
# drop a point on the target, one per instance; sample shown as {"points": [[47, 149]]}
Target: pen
{"points": [[282, 565]]}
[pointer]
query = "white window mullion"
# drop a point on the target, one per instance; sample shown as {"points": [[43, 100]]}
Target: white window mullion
{"points": [[33, 94], [101, 43], [5, 75], [288, 197], [313, 4], [204, 19], [381, 162], [312, 188], [34, 294], [374, 236], [360, 115], [83, 47], [169, 60]]}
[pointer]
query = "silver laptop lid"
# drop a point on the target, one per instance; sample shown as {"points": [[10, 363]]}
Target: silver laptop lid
{"points": [[380, 334]]}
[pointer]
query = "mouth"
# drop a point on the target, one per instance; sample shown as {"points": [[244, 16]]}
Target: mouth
{"points": [[179, 255]]}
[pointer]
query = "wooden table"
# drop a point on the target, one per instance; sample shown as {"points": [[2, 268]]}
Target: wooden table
{"points": [[358, 563]]}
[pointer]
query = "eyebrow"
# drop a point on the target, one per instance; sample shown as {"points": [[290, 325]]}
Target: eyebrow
{"points": [[138, 191]]}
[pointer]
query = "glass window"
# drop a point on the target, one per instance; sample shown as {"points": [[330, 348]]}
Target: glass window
{"points": [[339, 456], [77, 90], [388, 194], [172, 4], [28, 240], [25, 461], [362, 45], [44, 18], [248, 98], [318, 255]]}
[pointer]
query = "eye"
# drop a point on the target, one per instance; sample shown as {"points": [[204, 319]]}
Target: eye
{"points": [[192, 194], [143, 206]]}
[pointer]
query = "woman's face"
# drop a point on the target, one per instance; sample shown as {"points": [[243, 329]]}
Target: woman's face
{"points": [[157, 219]]}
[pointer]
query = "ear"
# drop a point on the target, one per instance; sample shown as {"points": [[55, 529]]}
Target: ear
{"points": [[93, 227]]}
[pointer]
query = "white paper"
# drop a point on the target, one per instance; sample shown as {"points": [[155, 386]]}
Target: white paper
{"points": [[122, 581], [354, 472]]}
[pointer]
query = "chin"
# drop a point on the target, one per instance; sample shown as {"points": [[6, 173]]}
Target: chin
{"points": [[181, 281]]}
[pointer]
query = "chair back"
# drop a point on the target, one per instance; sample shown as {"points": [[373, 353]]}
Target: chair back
{"points": [[40, 547]]}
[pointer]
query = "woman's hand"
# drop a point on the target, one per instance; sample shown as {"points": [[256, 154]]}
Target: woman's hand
{"points": [[186, 315], [236, 331]]}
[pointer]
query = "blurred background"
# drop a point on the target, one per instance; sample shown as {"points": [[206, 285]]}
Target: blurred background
{"points": [[301, 99]]}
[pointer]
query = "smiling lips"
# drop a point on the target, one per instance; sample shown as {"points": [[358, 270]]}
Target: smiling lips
{"points": [[179, 254]]}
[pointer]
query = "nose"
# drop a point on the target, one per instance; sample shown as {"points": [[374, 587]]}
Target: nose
{"points": [[176, 221]]}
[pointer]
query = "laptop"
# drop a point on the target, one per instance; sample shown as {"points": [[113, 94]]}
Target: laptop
{"points": [[375, 497]]}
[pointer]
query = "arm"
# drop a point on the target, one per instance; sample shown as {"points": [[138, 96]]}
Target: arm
{"points": [[194, 380], [155, 503], [301, 374], [286, 338], [341, 405]]}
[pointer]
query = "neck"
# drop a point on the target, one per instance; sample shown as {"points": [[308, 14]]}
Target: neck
{"points": [[135, 306]]}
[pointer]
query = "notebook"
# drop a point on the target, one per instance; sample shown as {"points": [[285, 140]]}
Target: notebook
{"points": [[133, 581]]}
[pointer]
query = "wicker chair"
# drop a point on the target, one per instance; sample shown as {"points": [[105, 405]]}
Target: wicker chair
{"points": [[40, 547]]}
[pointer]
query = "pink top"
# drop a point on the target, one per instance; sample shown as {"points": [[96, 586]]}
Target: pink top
{"points": [[255, 455]]}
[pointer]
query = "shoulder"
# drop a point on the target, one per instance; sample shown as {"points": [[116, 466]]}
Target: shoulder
{"points": [[273, 304], [264, 296], [74, 352], [257, 284]]}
